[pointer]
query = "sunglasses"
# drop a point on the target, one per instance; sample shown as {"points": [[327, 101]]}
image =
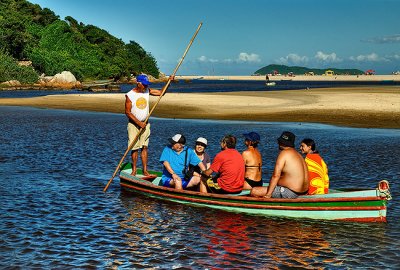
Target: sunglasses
{"points": [[201, 144]]}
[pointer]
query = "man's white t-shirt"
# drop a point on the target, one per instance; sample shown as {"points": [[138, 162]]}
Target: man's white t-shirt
{"points": [[140, 104]]}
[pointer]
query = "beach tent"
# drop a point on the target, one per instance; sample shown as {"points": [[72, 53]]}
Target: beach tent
{"points": [[370, 72]]}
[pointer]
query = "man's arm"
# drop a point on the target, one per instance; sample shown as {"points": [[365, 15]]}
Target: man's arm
{"points": [[131, 117], [155, 92], [206, 173], [158, 92], [276, 175]]}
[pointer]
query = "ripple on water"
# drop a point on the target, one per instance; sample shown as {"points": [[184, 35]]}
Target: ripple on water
{"points": [[54, 213]]}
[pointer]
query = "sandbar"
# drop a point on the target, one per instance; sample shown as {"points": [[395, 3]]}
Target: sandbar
{"points": [[363, 106]]}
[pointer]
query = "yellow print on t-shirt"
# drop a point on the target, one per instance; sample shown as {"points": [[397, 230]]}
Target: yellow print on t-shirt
{"points": [[141, 103]]}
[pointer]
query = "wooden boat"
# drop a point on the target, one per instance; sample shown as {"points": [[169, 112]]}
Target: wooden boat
{"points": [[270, 83], [366, 205]]}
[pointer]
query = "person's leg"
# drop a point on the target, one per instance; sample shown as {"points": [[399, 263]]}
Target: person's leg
{"points": [[194, 181], [203, 187], [134, 155], [144, 156], [258, 191], [132, 134], [178, 184]]}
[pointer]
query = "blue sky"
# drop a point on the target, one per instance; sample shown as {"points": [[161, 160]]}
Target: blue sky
{"points": [[240, 36]]}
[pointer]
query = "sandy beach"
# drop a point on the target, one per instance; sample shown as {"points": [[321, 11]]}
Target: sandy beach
{"points": [[369, 106]]}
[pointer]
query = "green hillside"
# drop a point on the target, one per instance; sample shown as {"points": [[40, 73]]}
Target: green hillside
{"points": [[28, 32], [296, 70]]}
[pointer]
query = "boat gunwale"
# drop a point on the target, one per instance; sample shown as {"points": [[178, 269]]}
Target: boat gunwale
{"points": [[184, 194], [259, 206]]}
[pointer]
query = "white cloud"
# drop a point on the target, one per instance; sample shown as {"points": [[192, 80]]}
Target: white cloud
{"points": [[205, 59], [293, 58], [373, 57], [384, 39], [327, 58], [245, 57], [202, 58], [242, 58], [227, 61], [396, 56]]}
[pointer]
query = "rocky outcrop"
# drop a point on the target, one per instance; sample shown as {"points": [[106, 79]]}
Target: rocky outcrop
{"points": [[12, 83], [63, 80]]}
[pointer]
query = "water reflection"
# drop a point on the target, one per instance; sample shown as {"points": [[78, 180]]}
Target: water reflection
{"points": [[211, 239], [227, 238], [55, 163]]}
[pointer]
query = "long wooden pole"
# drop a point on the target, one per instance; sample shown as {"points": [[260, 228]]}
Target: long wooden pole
{"points": [[152, 109]]}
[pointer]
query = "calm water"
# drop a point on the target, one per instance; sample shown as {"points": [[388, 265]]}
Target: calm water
{"points": [[54, 165], [202, 86]]}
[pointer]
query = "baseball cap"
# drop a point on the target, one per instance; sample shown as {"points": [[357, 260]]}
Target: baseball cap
{"points": [[202, 140], [143, 79], [177, 138], [252, 136]]}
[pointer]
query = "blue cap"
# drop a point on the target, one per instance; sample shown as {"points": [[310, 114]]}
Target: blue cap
{"points": [[252, 136], [143, 79]]}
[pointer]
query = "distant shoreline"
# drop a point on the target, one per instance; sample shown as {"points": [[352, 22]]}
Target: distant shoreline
{"points": [[114, 86], [368, 107], [327, 78]]}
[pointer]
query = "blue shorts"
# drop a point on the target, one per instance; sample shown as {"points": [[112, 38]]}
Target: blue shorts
{"points": [[165, 183]]}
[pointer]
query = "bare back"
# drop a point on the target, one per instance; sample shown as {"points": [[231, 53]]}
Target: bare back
{"points": [[253, 163], [293, 170]]}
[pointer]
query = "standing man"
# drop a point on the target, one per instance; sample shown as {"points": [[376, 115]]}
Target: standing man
{"points": [[290, 176], [228, 165], [137, 110]]}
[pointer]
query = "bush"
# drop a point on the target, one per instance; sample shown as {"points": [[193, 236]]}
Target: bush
{"points": [[10, 70]]}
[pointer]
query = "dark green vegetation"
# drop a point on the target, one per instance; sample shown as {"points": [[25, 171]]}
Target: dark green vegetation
{"points": [[28, 32], [282, 69], [10, 70]]}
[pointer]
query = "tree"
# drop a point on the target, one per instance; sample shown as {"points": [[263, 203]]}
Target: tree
{"points": [[31, 33], [10, 70]]}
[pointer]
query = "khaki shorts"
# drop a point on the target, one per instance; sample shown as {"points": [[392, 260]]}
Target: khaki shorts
{"points": [[143, 139]]}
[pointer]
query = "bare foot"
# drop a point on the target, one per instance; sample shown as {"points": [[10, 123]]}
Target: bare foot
{"points": [[146, 173], [133, 171]]}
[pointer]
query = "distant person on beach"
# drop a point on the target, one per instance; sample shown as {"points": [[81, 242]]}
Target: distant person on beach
{"points": [[252, 160], [137, 110], [290, 176], [317, 169], [226, 174], [176, 158]]}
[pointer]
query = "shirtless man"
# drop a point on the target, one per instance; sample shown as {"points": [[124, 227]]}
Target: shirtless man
{"points": [[290, 176]]}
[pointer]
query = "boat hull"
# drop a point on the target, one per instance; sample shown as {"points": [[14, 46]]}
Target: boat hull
{"points": [[348, 205]]}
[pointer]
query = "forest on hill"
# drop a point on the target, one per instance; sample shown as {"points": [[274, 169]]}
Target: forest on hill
{"points": [[296, 70], [31, 33]]}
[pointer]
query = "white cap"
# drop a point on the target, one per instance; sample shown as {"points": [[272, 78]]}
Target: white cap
{"points": [[202, 140], [177, 138]]}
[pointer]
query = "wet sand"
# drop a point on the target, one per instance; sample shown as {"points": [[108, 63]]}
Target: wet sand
{"points": [[369, 106]]}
